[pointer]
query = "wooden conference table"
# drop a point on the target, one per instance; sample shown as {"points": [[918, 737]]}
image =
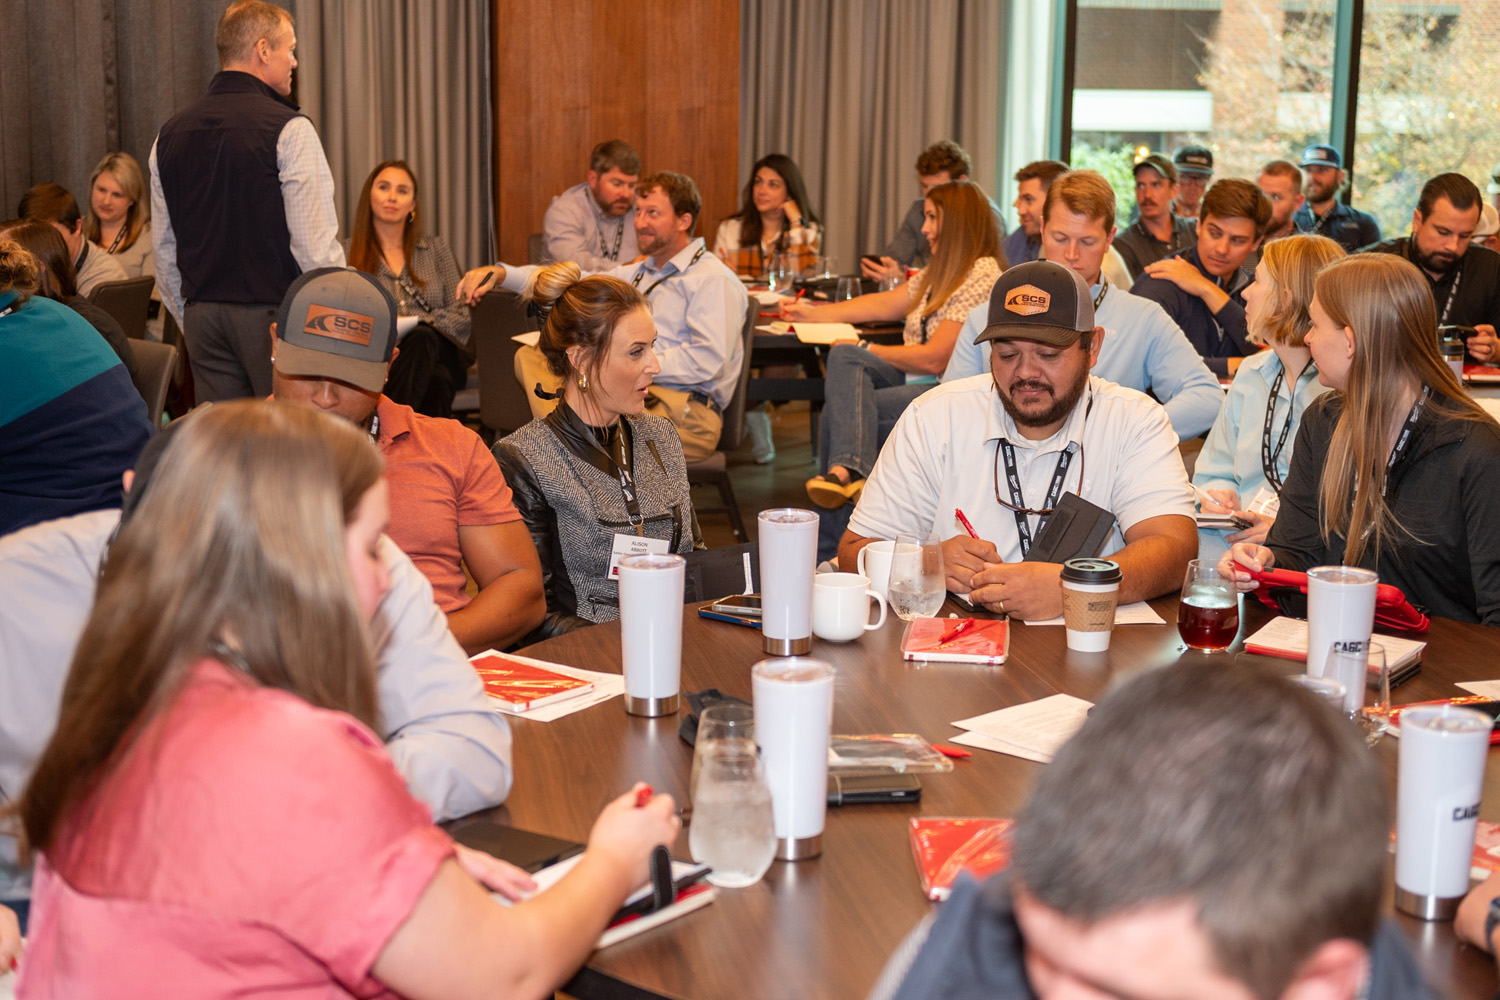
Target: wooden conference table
{"points": [[824, 927]]}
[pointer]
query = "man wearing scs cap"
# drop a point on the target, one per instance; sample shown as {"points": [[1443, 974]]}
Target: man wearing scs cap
{"points": [[331, 345], [1195, 168], [1005, 447], [1323, 214]]}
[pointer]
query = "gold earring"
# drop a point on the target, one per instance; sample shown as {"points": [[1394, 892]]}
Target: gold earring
{"points": [[411, 216], [583, 383]]}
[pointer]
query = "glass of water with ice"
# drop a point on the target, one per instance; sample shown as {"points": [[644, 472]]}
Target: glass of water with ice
{"points": [[917, 585], [732, 829]]}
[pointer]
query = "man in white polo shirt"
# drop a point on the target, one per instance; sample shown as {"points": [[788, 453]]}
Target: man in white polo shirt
{"points": [[1005, 448]]}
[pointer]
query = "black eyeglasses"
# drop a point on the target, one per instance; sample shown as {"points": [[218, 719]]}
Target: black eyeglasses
{"points": [[1037, 511]]}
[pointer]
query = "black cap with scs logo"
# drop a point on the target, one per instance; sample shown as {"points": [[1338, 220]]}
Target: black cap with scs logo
{"points": [[1040, 300], [336, 323]]}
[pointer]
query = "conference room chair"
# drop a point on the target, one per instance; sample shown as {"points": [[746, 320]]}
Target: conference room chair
{"points": [[127, 301], [536, 249], [713, 470], [498, 318], [718, 572], [155, 364]]}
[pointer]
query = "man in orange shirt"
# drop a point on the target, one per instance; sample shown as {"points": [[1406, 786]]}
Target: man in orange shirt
{"points": [[331, 345]]}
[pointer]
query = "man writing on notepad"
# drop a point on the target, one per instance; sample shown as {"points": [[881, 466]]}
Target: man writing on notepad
{"points": [[1008, 447]]}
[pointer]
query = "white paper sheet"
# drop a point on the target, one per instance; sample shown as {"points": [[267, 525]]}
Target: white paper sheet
{"points": [[405, 325], [1139, 613], [606, 686], [529, 339], [1037, 729], [1485, 689], [766, 297]]}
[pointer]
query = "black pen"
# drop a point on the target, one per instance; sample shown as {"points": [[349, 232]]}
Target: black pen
{"points": [[487, 279]]}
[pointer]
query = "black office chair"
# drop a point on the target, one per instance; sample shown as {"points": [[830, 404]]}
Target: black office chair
{"points": [[713, 470], [127, 301], [498, 317], [717, 572]]}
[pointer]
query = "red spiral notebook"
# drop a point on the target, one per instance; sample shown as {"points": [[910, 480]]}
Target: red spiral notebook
{"points": [[956, 640], [945, 847], [519, 686]]}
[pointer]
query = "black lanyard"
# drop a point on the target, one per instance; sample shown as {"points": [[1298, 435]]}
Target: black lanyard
{"points": [[374, 428], [604, 250], [1269, 458], [118, 237], [618, 457], [1054, 489], [1103, 291], [404, 280], [1404, 438], [636, 281]]}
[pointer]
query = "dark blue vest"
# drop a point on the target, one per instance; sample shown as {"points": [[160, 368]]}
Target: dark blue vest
{"points": [[217, 165]]}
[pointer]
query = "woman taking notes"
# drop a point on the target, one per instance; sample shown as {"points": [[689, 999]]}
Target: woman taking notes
{"points": [[870, 384], [214, 814], [1249, 449], [598, 471], [422, 276], [1396, 471]]}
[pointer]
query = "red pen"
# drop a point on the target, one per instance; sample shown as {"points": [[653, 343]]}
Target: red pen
{"points": [[643, 796], [959, 516], [956, 631], [948, 751]]}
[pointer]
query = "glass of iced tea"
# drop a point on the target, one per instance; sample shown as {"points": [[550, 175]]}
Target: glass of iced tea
{"points": [[1209, 616]]}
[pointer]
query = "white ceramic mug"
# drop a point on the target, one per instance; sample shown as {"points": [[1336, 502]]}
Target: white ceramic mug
{"points": [[841, 606], [875, 562]]}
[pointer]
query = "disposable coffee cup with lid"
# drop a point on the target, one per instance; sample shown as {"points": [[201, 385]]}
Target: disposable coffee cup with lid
{"points": [[1090, 588]]}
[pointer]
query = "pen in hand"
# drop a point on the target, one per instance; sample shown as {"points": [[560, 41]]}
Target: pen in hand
{"points": [[958, 515], [643, 795]]}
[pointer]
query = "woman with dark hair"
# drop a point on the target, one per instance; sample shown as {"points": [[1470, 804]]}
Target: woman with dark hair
{"points": [[214, 811], [597, 466], [870, 384], [1395, 471], [422, 276], [774, 217], [119, 214], [57, 282]]}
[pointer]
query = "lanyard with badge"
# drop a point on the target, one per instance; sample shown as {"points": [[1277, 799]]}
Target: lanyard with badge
{"points": [[639, 274], [1054, 489], [1269, 458], [626, 544], [604, 250]]}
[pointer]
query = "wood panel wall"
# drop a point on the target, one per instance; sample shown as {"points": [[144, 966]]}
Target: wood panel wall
{"points": [[664, 75]]}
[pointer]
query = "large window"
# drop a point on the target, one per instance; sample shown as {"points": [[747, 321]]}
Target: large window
{"points": [[1250, 79], [1428, 101]]}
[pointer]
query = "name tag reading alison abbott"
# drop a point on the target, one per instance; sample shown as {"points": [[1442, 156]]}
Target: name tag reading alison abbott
{"points": [[632, 545]]}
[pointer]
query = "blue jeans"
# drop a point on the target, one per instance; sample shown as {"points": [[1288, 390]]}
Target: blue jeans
{"points": [[863, 397]]}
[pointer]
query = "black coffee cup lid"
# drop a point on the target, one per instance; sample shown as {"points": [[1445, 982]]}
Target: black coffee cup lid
{"points": [[1091, 571]]}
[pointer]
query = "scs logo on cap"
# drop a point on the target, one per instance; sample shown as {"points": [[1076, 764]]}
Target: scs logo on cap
{"points": [[324, 321], [1027, 300]]}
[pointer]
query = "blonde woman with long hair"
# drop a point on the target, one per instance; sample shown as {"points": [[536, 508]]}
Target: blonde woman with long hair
{"points": [[1396, 470], [215, 815], [1249, 449], [119, 214], [869, 387]]}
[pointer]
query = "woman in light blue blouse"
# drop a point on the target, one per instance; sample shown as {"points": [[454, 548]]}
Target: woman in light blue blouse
{"points": [[1249, 448]]}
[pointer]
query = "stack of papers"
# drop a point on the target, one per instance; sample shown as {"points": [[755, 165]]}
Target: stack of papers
{"points": [[816, 333], [1034, 731], [1287, 637]]}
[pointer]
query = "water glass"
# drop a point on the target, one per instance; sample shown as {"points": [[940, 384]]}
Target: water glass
{"points": [[733, 830], [1208, 618], [848, 288], [917, 587], [730, 727], [1361, 668]]}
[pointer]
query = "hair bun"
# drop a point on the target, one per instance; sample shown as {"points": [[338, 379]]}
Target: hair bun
{"points": [[549, 283], [19, 268]]}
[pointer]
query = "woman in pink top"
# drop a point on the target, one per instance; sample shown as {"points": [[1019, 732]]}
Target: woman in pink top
{"points": [[215, 815]]}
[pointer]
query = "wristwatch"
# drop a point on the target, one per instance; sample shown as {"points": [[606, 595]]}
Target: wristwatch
{"points": [[1491, 921]]}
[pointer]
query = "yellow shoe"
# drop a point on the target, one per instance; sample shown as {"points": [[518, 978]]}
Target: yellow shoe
{"points": [[830, 494]]}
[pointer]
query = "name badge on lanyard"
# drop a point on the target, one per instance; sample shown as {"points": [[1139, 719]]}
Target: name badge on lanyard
{"points": [[632, 545]]}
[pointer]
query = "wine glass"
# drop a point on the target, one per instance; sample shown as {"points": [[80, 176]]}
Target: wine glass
{"points": [[781, 272], [848, 288], [917, 586], [1209, 616], [733, 830]]}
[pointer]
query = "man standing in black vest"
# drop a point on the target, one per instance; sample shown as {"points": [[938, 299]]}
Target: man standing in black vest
{"points": [[242, 199]]}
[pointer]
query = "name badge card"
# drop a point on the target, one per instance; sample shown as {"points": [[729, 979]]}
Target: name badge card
{"points": [[632, 545], [1266, 502]]}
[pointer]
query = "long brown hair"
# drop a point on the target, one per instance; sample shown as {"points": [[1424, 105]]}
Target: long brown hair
{"points": [[364, 248], [127, 173], [580, 312], [966, 233], [239, 539], [1388, 305], [1292, 263], [796, 190], [57, 280]]}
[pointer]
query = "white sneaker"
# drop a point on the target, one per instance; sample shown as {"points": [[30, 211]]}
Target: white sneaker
{"points": [[758, 426]]}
